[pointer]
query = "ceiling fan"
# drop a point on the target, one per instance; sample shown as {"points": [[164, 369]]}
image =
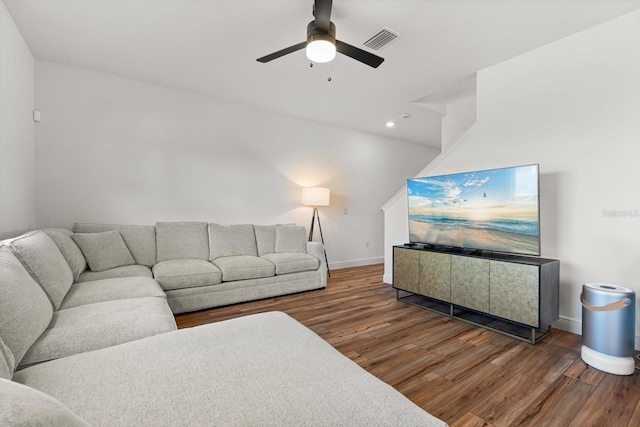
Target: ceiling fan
{"points": [[321, 44]]}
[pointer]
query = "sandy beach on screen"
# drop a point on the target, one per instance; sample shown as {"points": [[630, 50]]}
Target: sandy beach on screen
{"points": [[473, 238]]}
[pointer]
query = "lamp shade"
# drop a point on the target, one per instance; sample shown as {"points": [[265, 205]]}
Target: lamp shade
{"points": [[315, 196]]}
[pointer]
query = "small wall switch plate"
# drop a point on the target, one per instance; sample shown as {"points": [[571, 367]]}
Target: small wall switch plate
{"points": [[36, 115], [345, 211]]}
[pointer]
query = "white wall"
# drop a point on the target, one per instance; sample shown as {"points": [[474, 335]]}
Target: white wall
{"points": [[116, 150], [461, 112], [17, 131], [573, 107]]}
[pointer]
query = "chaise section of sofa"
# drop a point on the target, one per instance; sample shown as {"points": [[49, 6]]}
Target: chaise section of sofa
{"points": [[264, 369]]}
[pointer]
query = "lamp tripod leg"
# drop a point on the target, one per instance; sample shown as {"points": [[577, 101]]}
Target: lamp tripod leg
{"points": [[322, 238], [313, 220]]}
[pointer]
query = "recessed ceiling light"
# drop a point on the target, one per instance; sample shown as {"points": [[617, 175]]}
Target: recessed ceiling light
{"points": [[390, 124]]}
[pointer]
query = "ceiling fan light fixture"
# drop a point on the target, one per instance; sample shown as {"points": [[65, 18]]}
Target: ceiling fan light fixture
{"points": [[321, 44], [321, 49]]}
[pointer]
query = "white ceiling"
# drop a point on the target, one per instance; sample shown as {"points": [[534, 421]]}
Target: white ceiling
{"points": [[210, 48]]}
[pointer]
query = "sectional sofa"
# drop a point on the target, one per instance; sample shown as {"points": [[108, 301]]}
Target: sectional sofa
{"points": [[88, 337], [200, 265]]}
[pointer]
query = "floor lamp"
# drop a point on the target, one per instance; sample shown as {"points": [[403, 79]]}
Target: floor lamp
{"points": [[317, 196]]}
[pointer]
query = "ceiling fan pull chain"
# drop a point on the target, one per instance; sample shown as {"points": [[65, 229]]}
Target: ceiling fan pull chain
{"points": [[329, 79]]}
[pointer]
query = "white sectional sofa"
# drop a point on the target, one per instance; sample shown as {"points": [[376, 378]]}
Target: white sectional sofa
{"points": [[200, 265], [88, 337]]}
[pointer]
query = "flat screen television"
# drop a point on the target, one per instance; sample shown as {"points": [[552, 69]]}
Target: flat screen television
{"points": [[492, 210]]}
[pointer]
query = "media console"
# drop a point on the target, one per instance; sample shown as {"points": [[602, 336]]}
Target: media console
{"points": [[510, 294]]}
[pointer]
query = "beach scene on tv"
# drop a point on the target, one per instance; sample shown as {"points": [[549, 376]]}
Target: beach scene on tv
{"points": [[494, 210]]}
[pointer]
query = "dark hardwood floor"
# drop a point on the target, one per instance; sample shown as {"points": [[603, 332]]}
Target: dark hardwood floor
{"points": [[465, 375]]}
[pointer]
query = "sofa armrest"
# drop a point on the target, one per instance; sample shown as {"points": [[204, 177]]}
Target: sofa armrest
{"points": [[316, 249]]}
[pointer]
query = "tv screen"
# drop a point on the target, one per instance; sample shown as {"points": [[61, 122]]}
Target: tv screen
{"points": [[493, 210]]}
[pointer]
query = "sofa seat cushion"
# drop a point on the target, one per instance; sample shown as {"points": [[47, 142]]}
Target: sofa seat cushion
{"points": [[111, 290], [186, 273], [104, 324], [264, 369], [293, 262], [244, 267], [113, 273], [204, 297]]}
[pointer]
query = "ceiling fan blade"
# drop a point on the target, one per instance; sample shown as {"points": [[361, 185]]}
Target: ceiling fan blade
{"points": [[322, 12], [283, 52], [358, 54]]}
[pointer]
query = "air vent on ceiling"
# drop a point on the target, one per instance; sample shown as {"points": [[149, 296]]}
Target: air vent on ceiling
{"points": [[381, 38]]}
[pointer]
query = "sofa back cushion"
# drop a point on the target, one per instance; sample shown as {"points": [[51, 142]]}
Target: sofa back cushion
{"points": [[231, 240], [104, 251], [70, 251], [25, 406], [182, 240], [290, 239], [7, 361], [44, 261], [140, 239], [25, 310], [266, 238]]}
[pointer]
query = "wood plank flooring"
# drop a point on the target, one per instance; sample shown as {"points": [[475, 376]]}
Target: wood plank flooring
{"points": [[465, 375]]}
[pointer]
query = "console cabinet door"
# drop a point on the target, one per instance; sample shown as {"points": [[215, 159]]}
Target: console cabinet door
{"points": [[470, 282], [435, 275], [406, 269], [515, 292]]}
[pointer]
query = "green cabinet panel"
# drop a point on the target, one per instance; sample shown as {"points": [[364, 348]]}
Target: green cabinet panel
{"points": [[406, 269], [470, 282], [435, 275], [515, 292]]}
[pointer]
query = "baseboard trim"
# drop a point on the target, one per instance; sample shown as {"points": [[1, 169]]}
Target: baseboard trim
{"points": [[572, 325], [387, 278], [569, 324], [356, 263]]}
